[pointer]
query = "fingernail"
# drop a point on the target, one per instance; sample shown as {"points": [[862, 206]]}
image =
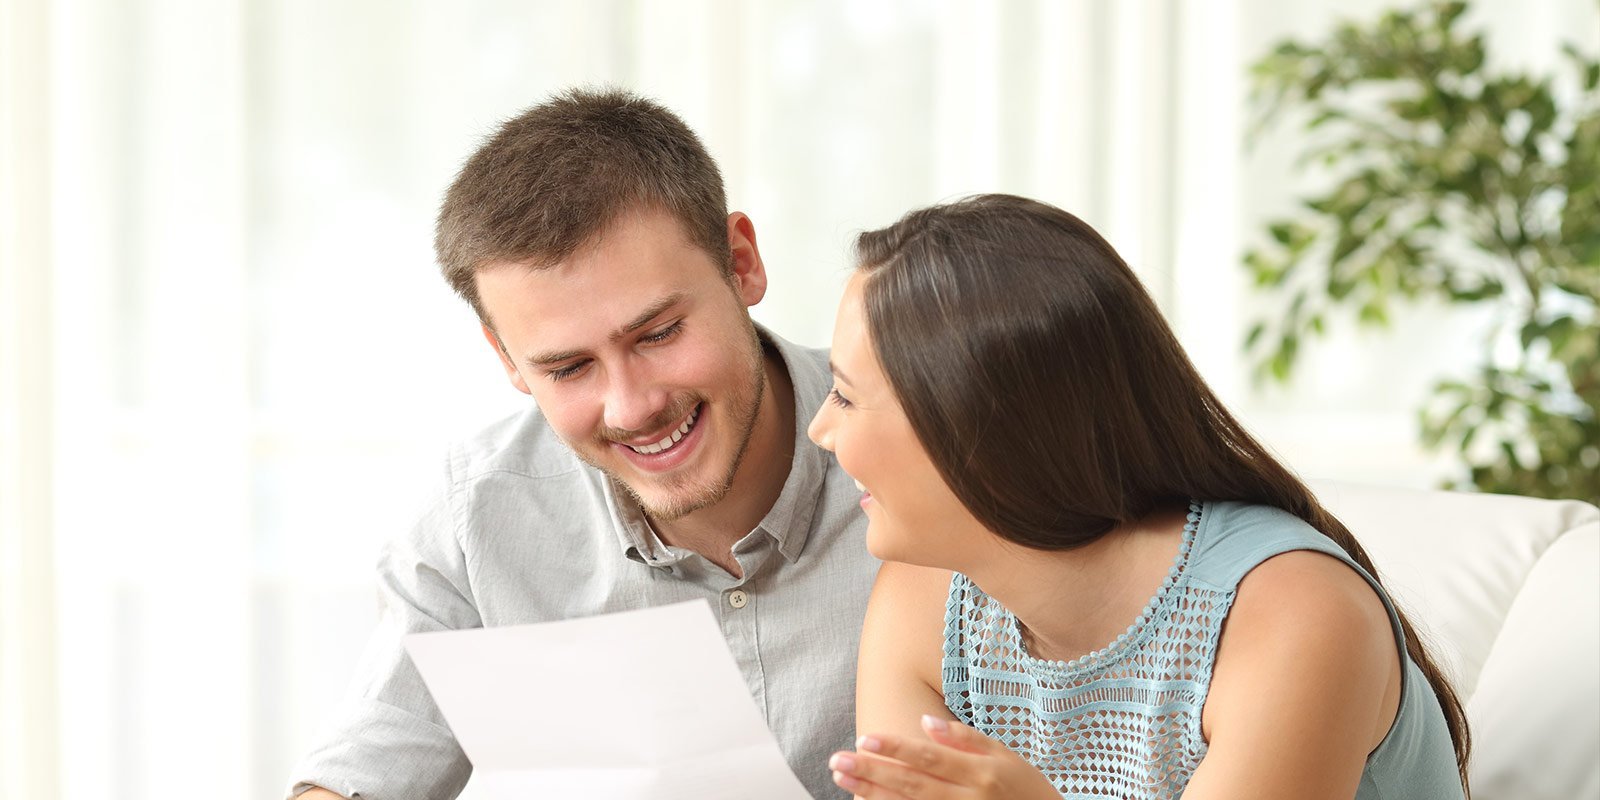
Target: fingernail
{"points": [[934, 723], [869, 744], [843, 762]]}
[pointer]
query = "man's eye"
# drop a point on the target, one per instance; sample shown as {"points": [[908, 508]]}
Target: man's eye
{"points": [[566, 372], [664, 334]]}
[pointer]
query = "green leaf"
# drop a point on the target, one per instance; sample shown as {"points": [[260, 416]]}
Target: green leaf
{"points": [[1589, 71], [1530, 332], [1254, 335], [1450, 12], [1344, 246], [1280, 366], [1510, 452], [1339, 286]]}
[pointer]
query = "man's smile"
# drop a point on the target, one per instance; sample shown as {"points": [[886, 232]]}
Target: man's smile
{"points": [[667, 442], [666, 450]]}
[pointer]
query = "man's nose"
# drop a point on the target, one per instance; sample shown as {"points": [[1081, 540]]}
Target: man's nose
{"points": [[633, 399]]}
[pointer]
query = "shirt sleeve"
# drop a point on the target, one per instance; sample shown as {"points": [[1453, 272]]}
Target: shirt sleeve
{"points": [[388, 739]]}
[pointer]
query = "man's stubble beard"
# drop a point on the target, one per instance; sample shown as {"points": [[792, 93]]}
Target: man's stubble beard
{"points": [[695, 498]]}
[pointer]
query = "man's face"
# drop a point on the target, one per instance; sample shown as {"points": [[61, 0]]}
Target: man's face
{"points": [[641, 354]]}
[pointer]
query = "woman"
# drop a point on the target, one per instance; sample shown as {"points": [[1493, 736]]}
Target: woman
{"points": [[1098, 584]]}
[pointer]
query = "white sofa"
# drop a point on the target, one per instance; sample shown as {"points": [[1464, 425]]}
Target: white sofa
{"points": [[1507, 591]]}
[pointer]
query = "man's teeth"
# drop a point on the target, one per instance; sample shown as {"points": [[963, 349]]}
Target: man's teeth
{"points": [[668, 441]]}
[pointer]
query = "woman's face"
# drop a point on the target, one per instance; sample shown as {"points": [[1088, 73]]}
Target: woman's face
{"points": [[912, 516]]}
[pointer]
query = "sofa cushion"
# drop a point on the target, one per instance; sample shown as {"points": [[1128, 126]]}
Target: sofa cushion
{"points": [[1506, 591]]}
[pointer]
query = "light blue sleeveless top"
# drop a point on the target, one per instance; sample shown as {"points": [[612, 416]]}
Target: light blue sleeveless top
{"points": [[1124, 721]]}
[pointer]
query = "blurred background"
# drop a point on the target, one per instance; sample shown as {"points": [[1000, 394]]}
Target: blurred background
{"points": [[228, 364]]}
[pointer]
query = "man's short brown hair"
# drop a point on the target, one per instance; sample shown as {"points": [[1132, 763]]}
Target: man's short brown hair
{"points": [[556, 175]]}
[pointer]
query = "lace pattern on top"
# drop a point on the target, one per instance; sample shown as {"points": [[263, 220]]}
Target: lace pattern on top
{"points": [[1123, 721]]}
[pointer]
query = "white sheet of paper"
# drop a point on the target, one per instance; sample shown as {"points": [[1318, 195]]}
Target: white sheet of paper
{"points": [[638, 704]]}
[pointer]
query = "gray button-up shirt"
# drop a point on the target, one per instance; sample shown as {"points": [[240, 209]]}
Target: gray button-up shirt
{"points": [[523, 531]]}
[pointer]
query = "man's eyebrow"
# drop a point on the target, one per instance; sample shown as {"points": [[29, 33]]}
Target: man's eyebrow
{"points": [[837, 373], [647, 315], [642, 319]]}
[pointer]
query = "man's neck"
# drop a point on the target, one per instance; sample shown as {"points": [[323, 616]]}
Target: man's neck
{"points": [[712, 531]]}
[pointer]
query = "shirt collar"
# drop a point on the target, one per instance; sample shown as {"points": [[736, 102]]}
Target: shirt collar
{"points": [[788, 522]]}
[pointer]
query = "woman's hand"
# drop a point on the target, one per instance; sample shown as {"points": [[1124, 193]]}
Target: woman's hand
{"points": [[958, 762]]}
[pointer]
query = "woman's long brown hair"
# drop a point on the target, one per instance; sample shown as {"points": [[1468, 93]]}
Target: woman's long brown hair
{"points": [[1051, 394]]}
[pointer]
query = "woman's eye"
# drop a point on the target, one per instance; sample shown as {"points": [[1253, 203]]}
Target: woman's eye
{"points": [[838, 399]]}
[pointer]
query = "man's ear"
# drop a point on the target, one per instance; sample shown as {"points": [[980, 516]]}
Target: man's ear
{"points": [[749, 276], [505, 360]]}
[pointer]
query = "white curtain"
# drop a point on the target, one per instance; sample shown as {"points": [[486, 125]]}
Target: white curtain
{"points": [[229, 362], [28, 732]]}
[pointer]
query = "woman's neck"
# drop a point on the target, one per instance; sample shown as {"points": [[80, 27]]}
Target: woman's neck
{"points": [[1074, 602]]}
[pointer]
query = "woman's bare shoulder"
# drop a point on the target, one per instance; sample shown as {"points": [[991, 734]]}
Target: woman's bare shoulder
{"points": [[898, 679]]}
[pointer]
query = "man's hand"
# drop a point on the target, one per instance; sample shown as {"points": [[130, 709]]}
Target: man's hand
{"points": [[954, 762]]}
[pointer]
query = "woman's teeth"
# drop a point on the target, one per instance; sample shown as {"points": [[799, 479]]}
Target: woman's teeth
{"points": [[667, 442]]}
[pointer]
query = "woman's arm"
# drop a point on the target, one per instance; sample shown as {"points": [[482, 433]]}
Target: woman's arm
{"points": [[910, 747], [897, 672], [1306, 684]]}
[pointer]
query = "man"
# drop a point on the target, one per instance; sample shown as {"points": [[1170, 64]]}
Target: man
{"points": [[665, 458]]}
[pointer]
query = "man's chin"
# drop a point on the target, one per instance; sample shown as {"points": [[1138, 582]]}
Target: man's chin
{"points": [[663, 498], [664, 505]]}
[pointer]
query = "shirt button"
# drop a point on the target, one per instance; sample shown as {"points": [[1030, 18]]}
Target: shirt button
{"points": [[737, 599]]}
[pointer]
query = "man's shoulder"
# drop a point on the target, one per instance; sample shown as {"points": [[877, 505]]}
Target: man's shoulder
{"points": [[522, 444], [812, 356], [807, 366]]}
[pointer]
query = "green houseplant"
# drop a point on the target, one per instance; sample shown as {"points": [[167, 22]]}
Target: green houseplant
{"points": [[1456, 182]]}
